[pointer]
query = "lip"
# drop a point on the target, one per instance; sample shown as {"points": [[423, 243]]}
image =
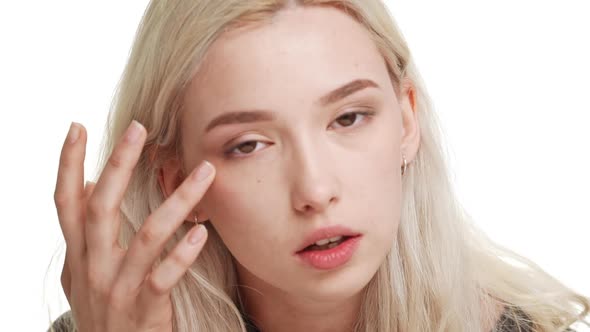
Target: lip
{"points": [[333, 258], [325, 233]]}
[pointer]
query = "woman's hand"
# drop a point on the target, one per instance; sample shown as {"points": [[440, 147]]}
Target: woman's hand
{"points": [[108, 288]]}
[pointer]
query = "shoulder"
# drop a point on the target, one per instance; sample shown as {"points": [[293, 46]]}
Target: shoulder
{"points": [[63, 323]]}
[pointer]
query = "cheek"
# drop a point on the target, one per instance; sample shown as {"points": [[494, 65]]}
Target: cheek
{"points": [[240, 213], [228, 202], [383, 183]]}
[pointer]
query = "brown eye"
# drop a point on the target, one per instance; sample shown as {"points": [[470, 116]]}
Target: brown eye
{"points": [[247, 147], [243, 149], [347, 119]]}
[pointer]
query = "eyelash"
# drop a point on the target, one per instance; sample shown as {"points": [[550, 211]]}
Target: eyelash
{"points": [[229, 152]]}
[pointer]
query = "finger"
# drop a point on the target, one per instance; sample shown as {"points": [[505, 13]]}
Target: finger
{"points": [[102, 222], [66, 277], [88, 190], [164, 277], [69, 190], [66, 273], [149, 241]]}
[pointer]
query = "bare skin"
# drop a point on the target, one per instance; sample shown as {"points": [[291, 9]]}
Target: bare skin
{"points": [[108, 288], [317, 169], [278, 180], [311, 171]]}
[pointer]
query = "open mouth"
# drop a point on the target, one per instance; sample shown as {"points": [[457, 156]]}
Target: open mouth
{"points": [[330, 253], [327, 243]]}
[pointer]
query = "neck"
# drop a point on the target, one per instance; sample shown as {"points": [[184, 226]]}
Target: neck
{"points": [[273, 310]]}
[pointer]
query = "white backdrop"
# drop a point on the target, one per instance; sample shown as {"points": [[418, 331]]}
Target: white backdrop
{"points": [[510, 80]]}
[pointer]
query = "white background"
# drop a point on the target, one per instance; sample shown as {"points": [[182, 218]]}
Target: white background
{"points": [[510, 80]]}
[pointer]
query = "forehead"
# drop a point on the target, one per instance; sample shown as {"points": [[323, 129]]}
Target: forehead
{"points": [[296, 57]]}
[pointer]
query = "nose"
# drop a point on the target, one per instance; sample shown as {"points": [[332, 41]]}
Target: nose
{"points": [[314, 179]]}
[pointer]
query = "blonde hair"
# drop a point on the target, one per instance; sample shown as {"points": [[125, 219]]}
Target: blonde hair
{"points": [[433, 278]]}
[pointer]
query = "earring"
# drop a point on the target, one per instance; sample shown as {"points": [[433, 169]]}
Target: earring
{"points": [[405, 165]]}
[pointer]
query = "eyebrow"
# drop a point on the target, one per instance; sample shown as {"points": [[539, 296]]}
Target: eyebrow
{"points": [[261, 115]]}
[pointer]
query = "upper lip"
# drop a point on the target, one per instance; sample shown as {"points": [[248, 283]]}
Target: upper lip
{"points": [[325, 233]]}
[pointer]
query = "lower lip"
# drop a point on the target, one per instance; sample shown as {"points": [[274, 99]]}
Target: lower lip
{"points": [[331, 258]]}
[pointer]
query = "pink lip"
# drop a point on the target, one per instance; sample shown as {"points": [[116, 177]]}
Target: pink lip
{"points": [[332, 258], [325, 233]]}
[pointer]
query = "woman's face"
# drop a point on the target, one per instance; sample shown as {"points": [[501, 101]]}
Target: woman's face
{"points": [[308, 161]]}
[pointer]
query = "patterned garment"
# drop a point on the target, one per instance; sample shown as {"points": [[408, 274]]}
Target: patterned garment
{"points": [[506, 323]]}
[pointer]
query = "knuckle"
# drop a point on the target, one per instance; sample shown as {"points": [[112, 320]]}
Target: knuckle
{"points": [[116, 160], [147, 235], [156, 287], [97, 208], [179, 259], [61, 199]]}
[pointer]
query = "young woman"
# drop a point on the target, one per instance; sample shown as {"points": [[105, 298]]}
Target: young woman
{"points": [[276, 165]]}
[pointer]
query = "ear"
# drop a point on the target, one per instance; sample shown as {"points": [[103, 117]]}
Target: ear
{"points": [[410, 141], [170, 177]]}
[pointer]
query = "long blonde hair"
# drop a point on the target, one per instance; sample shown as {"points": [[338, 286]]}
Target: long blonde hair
{"points": [[433, 278]]}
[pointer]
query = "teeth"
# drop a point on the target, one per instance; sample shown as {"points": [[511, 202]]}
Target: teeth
{"points": [[322, 242], [326, 241]]}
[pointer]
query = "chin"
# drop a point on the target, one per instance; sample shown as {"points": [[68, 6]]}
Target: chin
{"points": [[337, 285]]}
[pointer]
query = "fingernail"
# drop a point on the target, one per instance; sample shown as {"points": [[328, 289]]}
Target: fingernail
{"points": [[73, 133], [203, 172], [133, 132], [197, 233]]}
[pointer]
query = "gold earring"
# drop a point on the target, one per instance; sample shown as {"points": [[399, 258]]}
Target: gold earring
{"points": [[405, 165]]}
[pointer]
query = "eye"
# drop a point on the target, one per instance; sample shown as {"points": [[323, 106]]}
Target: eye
{"points": [[347, 119], [248, 147], [244, 148]]}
